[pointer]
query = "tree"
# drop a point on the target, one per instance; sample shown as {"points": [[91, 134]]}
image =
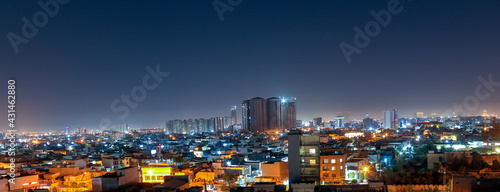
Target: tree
{"points": [[496, 165], [354, 182], [168, 156], [229, 178], [180, 159]]}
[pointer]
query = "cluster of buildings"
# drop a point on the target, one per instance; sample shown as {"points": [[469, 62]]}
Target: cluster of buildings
{"points": [[272, 114], [191, 126], [269, 152]]}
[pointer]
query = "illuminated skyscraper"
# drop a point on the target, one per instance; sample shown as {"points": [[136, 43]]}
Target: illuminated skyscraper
{"points": [[420, 114], [123, 128], [390, 119], [485, 112], [234, 121], [317, 121], [339, 121], [66, 130], [245, 115]]}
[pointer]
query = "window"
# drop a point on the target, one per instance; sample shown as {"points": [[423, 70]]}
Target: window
{"points": [[341, 167], [341, 160], [333, 160], [312, 151], [312, 161], [333, 168], [303, 160], [325, 168], [333, 175], [325, 160]]}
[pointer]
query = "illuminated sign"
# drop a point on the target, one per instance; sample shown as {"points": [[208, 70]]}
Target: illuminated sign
{"points": [[156, 174]]}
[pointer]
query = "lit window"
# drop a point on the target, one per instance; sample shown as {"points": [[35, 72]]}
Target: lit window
{"points": [[333, 160], [325, 161], [312, 161], [312, 151], [341, 167], [325, 168], [341, 160], [333, 168]]}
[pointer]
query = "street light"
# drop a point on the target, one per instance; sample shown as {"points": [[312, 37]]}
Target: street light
{"points": [[365, 169]]}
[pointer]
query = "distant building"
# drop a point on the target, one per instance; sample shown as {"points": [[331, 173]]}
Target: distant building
{"points": [[274, 113], [420, 115], [339, 121], [368, 123], [259, 114], [234, 120], [390, 119], [66, 131], [123, 128], [288, 113], [317, 121]]}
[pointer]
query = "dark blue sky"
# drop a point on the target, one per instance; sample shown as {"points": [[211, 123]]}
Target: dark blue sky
{"points": [[427, 59]]}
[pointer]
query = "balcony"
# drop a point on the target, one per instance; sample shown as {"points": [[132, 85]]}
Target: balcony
{"points": [[308, 165], [309, 143]]}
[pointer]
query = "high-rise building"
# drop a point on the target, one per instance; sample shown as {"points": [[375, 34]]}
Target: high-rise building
{"points": [[254, 112], [317, 121], [390, 119], [288, 113], [420, 115], [219, 124], [123, 128], [234, 120], [274, 113], [245, 115], [259, 114], [303, 157], [345, 114], [368, 123], [485, 112], [66, 130], [339, 122]]}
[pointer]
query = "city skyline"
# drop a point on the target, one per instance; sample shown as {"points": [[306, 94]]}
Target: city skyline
{"points": [[429, 57]]}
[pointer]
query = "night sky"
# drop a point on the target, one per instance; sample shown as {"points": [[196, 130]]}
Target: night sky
{"points": [[91, 52]]}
